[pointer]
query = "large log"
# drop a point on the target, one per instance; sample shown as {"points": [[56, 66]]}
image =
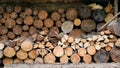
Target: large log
{"points": [[33, 54], [49, 58], [48, 22], [58, 51], [9, 52], [43, 14], [87, 58], [28, 20], [75, 59], [68, 51], [21, 54], [82, 52], [38, 23], [17, 29], [64, 59], [3, 30], [10, 23], [91, 50], [55, 16]]}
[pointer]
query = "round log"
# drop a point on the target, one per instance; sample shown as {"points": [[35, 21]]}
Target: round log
{"points": [[19, 20], [17, 9], [7, 61], [25, 34], [43, 14], [91, 50], [35, 12], [3, 30], [75, 59], [32, 30], [39, 60], [25, 27], [10, 23], [58, 51], [58, 23], [13, 15], [17, 29], [9, 52], [22, 14], [55, 16], [6, 15], [108, 8], [4, 38], [21, 54], [11, 35], [9, 9], [108, 17], [77, 22], [49, 58], [38, 23], [29, 61], [82, 52], [33, 54], [48, 22], [28, 11], [61, 10], [17, 61], [28, 20], [68, 51], [70, 39], [87, 58], [64, 59]]}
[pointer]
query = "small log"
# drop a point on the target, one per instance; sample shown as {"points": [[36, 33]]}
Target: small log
{"points": [[84, 11], [35, 46], [88, 25], [43, 52], [87, 58], [107, 32], [7, 61], [108, 17], [6, 15], [33, 54], [25, 27], [39, 60], [9, 52], [17, 29], [12, 44], [48, 22], [54, 31], [9, 9], [38, 23], [25, 34], [108, 8], [77, 22], [82, 52], [13, 15], [55, 16], [10, 23], [58, 23], [35, 12], [27, 45], [111, 36], [108, 48], [19, 20], [76, 33], [83, 40], [16, 48], [21, 54], [86, 44], [29, 61], [50, 45], [4, 38], [28, 20], [62, 19], [67, 26], [71, 13], [1, 9], [1, 54], [61, 10], [43, 14], [11, 35], [101, 56], [75, 59], [70, 39], [64, 59], [49, 58], [32, 30], [28, 11], [22, 15], [2, 20], [91, 50], [58, 51], [2, 45], [3, 30], [97, 46], [17, 9], [115, 55], [68, 51], [40, 45], [17, 61]]}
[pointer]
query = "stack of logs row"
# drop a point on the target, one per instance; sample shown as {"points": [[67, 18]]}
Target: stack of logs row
{"points": [[62, 36]]}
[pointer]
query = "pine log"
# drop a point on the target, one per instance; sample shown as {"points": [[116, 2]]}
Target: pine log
{"points": [[49, 58], [3, 30], [71, 13], [77, 22], [91, 50], [27, 45], [4, 38], [108, 8], [75, 59], [19, 20], [13, 15], [108, 48], [9, 52], [67, 26], [108, 17], [6, 15], [1, 9], [10, 23], [70, 39], [32, 30], [17, 9], [43, 52], [9, 9], [58, 23], [35, 12], [25, 27], [28, 11], [11, 35], [33, 54], [17, 29], [64, 59], [82, 52], [28, 20], [2, 45], [58, 51], [1, 54], [87, 58], [21, 54], [29, 61], [68, 51], [61, 10], [39, 60], [48, 22], [7, 61], [55, 16], [17, 61], [38, 23], [43, 14], [101, 56], [88, 25], [22, 15], [25, 34], [115, 55]]}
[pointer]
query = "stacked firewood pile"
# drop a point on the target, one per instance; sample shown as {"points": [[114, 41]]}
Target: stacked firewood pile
{"points": [[61, 36]]}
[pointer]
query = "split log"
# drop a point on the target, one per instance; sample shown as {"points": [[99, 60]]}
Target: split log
{"points": [[9, 9], [87, 58], [13, 15], [33, 54], [1, 9], [38, 23], [21, 54], [77, 22], [91, 50], [16, 48], [25, 27], [17, 9], [75, 59], [115, 55], [7, 61], [35, 12], [25, 34], [64, 59], [39, 60], [108, 8], [2, 45], [76, 33], [117, 43], [17, 61], [22, 15], [43, 14], [97, 46], [32, 30], [28, 20], [19, 20], [49, 58], [40, 45], [49, 45], [29, 61], [71, 13], [55, 16], [84, 11], [62, 19], [6, 15], [108, 17], [28, 11], [43, 52], [1, 54], [58, 23], [88, 25], [3, 30], [58, 51], [10, 23], [82, 52], [107, 32], [68, 51], [11, 35], [101, 56], [9, 52], [39, 38], [48, 22], [27, 45], [17, 29]]}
